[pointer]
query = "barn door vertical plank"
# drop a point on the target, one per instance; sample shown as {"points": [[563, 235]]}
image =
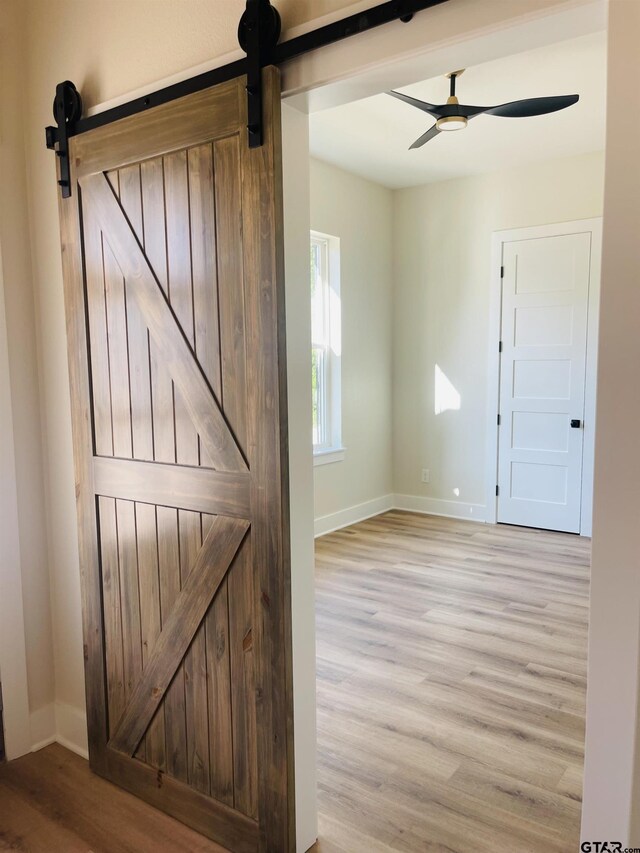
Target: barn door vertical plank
{"points": [[219, 691], [241, 642], [178, 224], [137, 335], [118, 345], [203, 261], [267, 440], [118, 354], [153, 204], [228, 195], [97, 316], [180, 286], [130, 598], [174, 702], [112, 610], [228, 199], [83, 446], [168, 730], [147, 536], [195, 666]]}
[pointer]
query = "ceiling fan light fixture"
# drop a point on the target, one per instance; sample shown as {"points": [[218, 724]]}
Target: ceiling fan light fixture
{"points": [[451, 123], [454, 115]]}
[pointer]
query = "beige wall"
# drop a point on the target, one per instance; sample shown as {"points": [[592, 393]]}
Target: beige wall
{"points": [[432, 313], [442, 268], [27, 421], [612, 772], [359, 212]]}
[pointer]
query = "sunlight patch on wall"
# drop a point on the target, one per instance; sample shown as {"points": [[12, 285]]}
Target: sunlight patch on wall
{"points": [[447, 399]]}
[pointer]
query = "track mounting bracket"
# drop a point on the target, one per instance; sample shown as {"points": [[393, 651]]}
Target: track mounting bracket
{"points": [[67, 109], [258, 34]]}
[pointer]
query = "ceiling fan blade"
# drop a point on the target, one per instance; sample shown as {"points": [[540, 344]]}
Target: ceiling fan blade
{"points": [[468, 111], [433, 109], [420, 141], [532, 106]]}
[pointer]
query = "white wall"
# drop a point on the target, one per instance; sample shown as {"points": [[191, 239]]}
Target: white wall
{"points": [[359, 212], [442, 254], [431, 315], [23, 547]]}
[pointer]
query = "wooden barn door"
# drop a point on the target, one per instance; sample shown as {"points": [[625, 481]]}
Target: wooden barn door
{"points": [[172, 256]]}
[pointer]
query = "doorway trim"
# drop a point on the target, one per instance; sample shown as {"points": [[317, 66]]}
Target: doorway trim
{"points": [[498, 239]]}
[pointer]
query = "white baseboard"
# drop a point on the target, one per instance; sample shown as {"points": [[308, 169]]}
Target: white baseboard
{"points": [[71, 729], [60, 723], [411, 503], [43, 727], [351, 515], [437, 506]]}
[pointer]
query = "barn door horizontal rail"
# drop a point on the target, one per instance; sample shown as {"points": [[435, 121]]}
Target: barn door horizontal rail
{"points": [[258, 34]]}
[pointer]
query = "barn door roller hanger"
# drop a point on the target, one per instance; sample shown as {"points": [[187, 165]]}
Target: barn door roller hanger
{"points": [[258, 35]]}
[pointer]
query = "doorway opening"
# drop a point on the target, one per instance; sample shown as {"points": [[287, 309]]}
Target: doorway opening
{"points": [[452, 654]]}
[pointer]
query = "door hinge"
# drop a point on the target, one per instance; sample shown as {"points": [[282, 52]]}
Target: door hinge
{"points": [[499, 346], [497, 490], [501, 272], [499, 420]]}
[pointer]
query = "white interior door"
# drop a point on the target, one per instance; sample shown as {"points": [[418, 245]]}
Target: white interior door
{"points": [[545, 298]]}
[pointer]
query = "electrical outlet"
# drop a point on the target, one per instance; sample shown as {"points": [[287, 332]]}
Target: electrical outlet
{"points": [[425, 475]]}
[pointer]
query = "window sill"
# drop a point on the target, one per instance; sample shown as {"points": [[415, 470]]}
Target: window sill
{"points": [[326, 457]]}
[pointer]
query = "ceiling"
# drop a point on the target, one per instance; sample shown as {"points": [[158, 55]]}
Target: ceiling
{"points": [[370, 137]]}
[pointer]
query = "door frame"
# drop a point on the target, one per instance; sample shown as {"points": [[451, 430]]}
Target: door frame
{"points": [[498, 239]]}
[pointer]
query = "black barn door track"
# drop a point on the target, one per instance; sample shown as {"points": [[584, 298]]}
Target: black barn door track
{"points": [[258, 35]]}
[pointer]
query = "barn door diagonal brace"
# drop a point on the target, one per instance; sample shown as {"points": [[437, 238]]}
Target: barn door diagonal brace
{"points": [[67, 109], [258, 34]]}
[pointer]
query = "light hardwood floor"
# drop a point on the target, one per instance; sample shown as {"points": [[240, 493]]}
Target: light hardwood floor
{"points": [[451, 687]]}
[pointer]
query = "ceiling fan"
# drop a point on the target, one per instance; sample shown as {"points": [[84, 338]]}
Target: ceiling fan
{"points": [[454, 115]]}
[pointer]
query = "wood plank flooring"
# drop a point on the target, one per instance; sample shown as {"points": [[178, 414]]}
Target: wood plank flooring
{"points": [[50, 802], [451, 687]]}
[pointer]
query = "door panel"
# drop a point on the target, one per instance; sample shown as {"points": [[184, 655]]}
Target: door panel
{"points": [[179, 413], [542, 380]]}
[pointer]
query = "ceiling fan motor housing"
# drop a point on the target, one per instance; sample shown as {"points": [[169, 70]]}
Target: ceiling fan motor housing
{"points": [[453, 121]]}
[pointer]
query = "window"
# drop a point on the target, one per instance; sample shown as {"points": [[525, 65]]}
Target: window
{"points": [[325, 348]]}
